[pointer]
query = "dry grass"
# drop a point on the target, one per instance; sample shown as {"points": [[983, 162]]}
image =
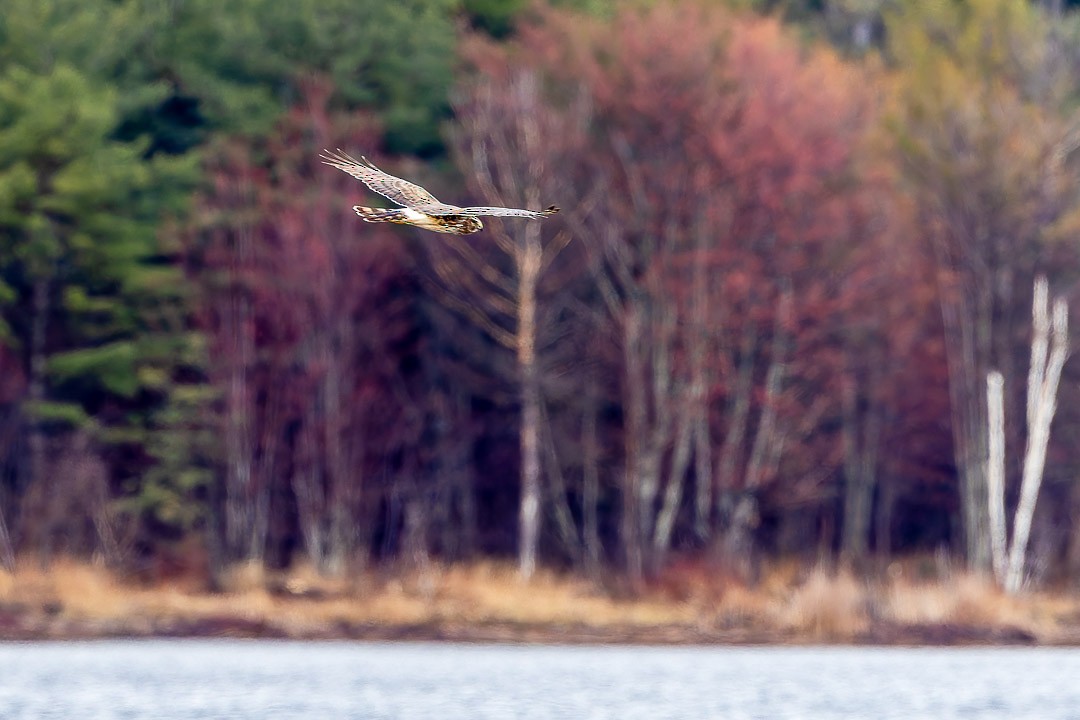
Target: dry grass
{"points": [[302, 601], [826, 607], [790, 602], [972, 600], [822, 605]]}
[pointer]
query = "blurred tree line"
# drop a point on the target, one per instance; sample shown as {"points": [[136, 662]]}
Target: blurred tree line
{"points": [[796, 237]]}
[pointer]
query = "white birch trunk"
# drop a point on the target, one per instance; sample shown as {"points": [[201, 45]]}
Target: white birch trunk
{"points": [[1041, 415], [1049, 338]]}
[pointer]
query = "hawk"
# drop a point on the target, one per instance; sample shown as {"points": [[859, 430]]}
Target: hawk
{"points": [[418, 206]]}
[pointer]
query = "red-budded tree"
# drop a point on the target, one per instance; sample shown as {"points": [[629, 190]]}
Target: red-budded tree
{"points": [[722, 210], [511, 148], [299, 304]]}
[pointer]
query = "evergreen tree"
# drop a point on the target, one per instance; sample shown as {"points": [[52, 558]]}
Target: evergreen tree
{"points": [[239, 65], [82, 272]]}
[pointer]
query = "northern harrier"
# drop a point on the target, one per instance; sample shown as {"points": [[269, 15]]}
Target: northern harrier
{"points": [[418, 206]]}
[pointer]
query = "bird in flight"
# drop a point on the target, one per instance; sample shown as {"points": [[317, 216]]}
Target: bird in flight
{"points": [[418, 206]]}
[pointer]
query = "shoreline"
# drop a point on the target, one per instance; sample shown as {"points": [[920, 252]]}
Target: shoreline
{"points": [[945, 635], [486, 603]]}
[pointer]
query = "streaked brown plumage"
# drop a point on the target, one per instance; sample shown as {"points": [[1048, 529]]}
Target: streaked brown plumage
{"points": [[419, 207]]}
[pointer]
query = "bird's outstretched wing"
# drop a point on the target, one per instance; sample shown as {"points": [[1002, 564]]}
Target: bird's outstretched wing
{"points": [[499, 212], [413, 196], [393, 188]]}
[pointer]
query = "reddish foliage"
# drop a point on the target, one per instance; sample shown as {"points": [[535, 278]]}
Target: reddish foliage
{"points": [[725, 167], [302, 306]]}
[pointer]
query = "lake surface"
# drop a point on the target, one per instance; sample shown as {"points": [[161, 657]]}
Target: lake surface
{"points": [[270, 679]]}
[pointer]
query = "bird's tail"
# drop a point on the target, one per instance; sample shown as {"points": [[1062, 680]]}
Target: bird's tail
{"points": [[380, 214]]}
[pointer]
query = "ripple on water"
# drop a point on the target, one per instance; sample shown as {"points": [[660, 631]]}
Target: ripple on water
{"points": [[187, 679]]}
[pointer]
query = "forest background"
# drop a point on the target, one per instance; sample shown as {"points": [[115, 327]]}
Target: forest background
{"points": [[796, 237]]}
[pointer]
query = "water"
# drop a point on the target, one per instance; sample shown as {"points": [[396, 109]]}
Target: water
{"points": [[267, 679]]}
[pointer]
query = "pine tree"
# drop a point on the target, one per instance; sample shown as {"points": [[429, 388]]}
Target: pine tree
{"points": [[80, 263]]}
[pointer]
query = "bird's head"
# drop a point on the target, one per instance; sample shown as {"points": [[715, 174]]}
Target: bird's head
{"points": [[472, 225]]}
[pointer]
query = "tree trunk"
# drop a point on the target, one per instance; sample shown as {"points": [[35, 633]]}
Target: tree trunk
{"points": [[966, 352], [738, 415], [415, 540], [1045, 402], [7, 440], [343, 461], [242, 534], [665, 520], [861, 433], [883, 514], [739, 517], [769, 437], [648, 326], [7, 550], [655, 428], [565, 526], [700, 438], [742, 509], [995, 472], [634, 390], [1072, 557], [528, 268], [36, 381], [590, 493]]}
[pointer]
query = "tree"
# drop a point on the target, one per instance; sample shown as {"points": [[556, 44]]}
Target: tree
{"points": [[244, 64], [339, 278], [188, 69], [81, 263], [981, 148], [297, 306], [1049, 350], [502, 136], [717, 221]]}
